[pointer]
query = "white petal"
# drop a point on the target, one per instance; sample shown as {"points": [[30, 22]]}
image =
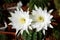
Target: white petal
{"points": [[50, 11], [5, 26], [19, 4], [51, 16], [50, 26], [21, 9], [35, 7], [21, 32], [11, 8], [39, 28], [10, 24], [34, 26], [11, 13], [43, 31], [17, 31], [28, 12], [45, 10], [28, 9], [17, 8], [45, 27], [9, 18], [27, 31], [30, 27], [40, 9]]}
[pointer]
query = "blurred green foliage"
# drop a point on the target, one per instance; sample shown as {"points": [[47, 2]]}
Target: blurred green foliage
{"points": [[3, 37], [38, 3], [57, 4], [56, 32], [8, 1], [1, 16]]}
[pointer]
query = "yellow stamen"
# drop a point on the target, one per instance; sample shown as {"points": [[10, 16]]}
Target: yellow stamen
{"points": [[22, 20], [40, 19]]}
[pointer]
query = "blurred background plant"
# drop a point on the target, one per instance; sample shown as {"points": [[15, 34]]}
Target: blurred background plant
{"points": [[38, 3]]}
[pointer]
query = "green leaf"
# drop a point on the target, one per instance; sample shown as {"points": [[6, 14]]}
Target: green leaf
{"points": [[34, 35], [39, 35]]}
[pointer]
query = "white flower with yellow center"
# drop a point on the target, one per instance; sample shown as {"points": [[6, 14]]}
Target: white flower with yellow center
{"points": [[20, 20], [41, 19]]}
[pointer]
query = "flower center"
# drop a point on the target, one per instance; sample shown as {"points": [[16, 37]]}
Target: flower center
{"points": [[40, 19], [22, 20]]}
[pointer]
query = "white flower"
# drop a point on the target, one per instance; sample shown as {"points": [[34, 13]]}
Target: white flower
{"points": [[19, 4], [20, 20], [41, 19]]}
